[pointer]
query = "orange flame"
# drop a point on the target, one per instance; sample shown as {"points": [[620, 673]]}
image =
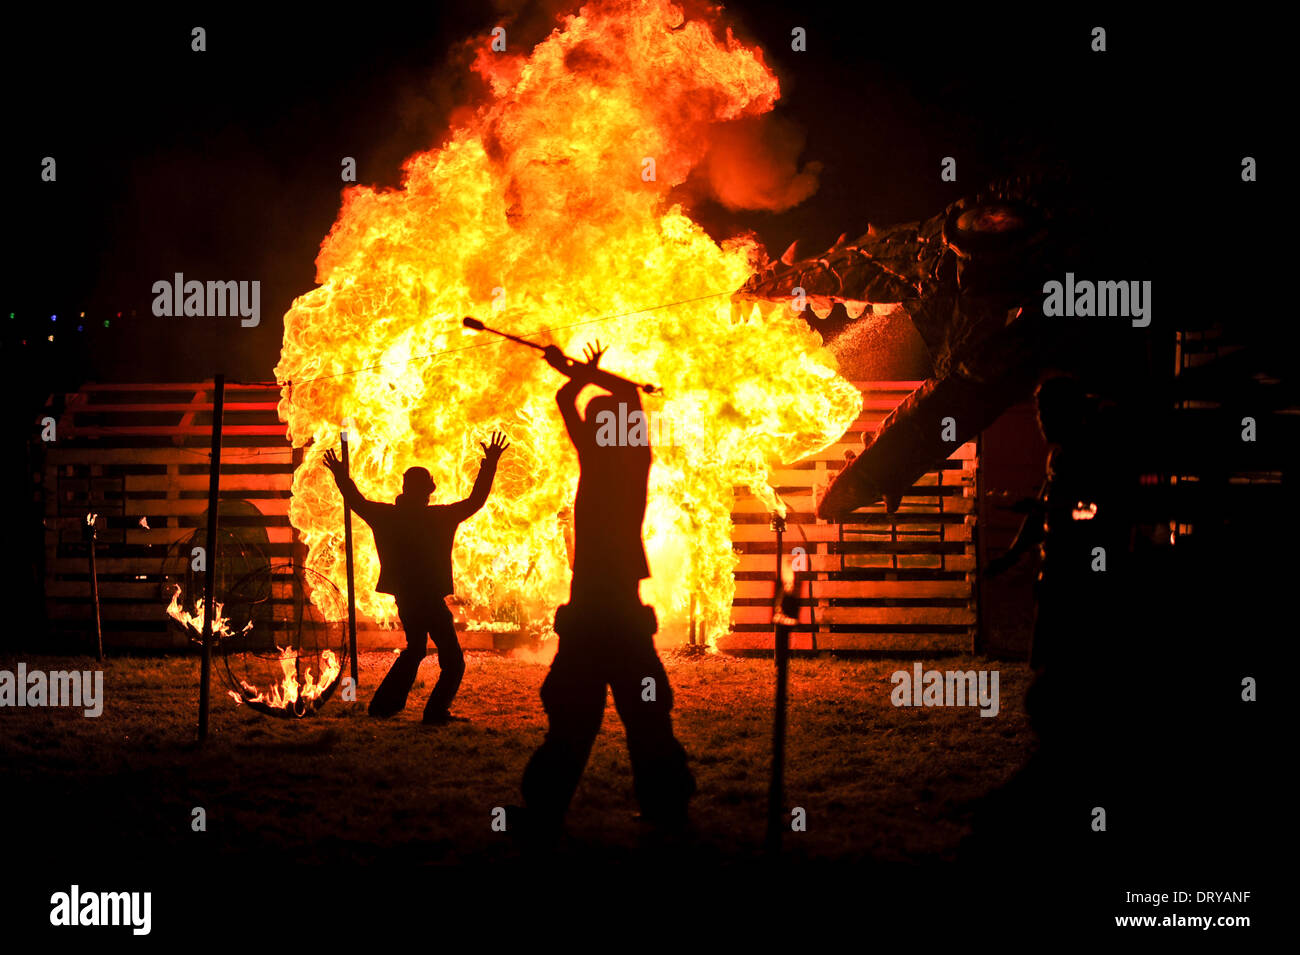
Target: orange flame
{"points": [[289, 694], [194, 621], [548, 208]]}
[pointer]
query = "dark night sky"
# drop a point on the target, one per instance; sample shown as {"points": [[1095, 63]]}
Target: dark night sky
{"points": [[226, 163]]}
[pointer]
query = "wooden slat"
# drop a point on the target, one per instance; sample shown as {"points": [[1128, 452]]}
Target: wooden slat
{"points": [[912, 642], [60, 457], [835, 452], [800, 477], [142, 610], [883, 643], [158, 507], [137, 483], [170, 431], [284, 586], [898, 616], [125, 566], [755, 561], [901, 387], [169, 535], [156, 639], [765, 563], [919, 526], [761, 532], [142, 590], [865, 616], [956, 532], [170, 408], [78, 610], [866, 589], [867, 420], [803, 505], [732, 642], [91, 386]]}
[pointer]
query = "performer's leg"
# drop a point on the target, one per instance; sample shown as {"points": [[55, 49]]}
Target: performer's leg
{"points": [[391, 696], [451, 666], [644, 700], [573, 696]]}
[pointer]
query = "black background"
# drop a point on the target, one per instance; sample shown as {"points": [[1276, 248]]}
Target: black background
{"points": [[226, 164]]}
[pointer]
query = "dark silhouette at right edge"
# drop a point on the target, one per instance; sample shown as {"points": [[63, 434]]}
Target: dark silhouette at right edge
{"points": [[1082, 639], [606, 634]]}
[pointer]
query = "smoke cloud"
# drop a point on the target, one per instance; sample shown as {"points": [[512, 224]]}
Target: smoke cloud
{"points": [[753, 164]]}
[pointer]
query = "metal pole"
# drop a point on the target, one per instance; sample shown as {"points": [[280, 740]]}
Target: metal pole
{"points": [[781, 640], [94, 585], [352, 588], [692, 618], [980, 547], [210, 568]]}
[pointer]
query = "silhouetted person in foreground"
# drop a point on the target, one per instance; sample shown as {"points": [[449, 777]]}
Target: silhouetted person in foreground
{"points": [[1080, 703], [414, 542], [1080, 524], [606, 634]]}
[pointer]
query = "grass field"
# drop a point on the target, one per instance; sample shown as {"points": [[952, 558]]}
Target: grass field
{"points": [[877, 782]]}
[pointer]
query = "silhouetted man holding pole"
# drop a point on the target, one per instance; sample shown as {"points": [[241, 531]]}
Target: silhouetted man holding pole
{"points": [[1081, 513], [414, 542], [606, 634]]}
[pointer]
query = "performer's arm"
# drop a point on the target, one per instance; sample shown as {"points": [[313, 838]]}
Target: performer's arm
{"points": [[590, 373], [1029, 535], [483, 483], [363, 508], [567, 399], [580, 375]]}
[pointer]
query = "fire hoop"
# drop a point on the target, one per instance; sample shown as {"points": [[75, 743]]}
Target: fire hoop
{"points": [[282, 656], [238, 556]]}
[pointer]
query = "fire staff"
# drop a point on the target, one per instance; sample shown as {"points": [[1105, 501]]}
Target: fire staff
{"points": [[414, 542]]}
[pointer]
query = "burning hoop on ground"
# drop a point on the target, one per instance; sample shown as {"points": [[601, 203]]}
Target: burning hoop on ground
{"points": [[282, 655]]}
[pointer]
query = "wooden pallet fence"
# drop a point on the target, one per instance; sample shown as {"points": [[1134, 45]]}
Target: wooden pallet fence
{"points": [[133, 452], [901, 582], [141, 451]]}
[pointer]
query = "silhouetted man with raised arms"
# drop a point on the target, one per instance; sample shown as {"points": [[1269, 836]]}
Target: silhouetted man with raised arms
{"points": [[414, 542], [606, 634]]}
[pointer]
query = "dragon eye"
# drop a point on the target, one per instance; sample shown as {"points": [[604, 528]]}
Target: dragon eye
{"points": [[989, 219]]}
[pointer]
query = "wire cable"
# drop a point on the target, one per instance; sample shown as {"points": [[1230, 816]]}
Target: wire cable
{"points": [[497, 341]]}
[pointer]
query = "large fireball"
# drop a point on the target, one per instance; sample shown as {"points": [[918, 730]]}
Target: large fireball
{"points": [[548, 209]]}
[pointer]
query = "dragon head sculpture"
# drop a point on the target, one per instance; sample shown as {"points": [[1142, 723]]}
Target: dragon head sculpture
{"points": [[971, 280]]}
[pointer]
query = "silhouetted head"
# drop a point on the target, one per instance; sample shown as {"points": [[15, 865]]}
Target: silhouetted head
{"points": [[596, 409], [1062, 408], [417, 487]]}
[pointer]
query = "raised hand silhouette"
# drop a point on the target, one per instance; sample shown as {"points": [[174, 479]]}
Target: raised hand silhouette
{"points": [[494, 451], [335, 465]]}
